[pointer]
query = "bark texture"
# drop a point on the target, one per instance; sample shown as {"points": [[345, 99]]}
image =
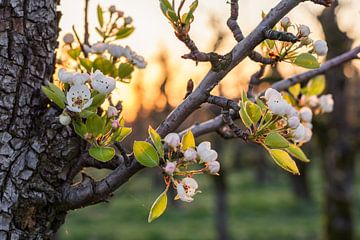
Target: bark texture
{"points": [[35, 150]]}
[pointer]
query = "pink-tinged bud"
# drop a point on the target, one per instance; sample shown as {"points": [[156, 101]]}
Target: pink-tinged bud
{"points": [[112, 112], [214, 167], [172, 139], [170, 168], [190, 155], [115, 124]]}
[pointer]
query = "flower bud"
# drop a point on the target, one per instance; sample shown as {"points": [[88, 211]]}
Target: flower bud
{"points": [[313, 101], [68, 38], [293, 122], [270, 92], [304, 31], [321, 48], [170, 168], [120, 13], [326, 103], [112, 9], [277, 105], [306, 114], [299, 133], [190, 155], [115, 124], [128, 20], [308, 135], [285, 22], [112, 112], [308, 125], [214, 167], [64, 119], [99, 47], [172, 139], [116, 51]]}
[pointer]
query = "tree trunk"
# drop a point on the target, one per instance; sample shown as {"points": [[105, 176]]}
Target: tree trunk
{"points": [[339, 156], [35, 150]]}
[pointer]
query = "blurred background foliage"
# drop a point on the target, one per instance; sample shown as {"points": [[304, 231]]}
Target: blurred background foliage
{"points": [[252, 198]]}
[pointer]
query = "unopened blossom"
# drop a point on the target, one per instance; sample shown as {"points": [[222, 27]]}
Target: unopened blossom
{"points": [[293, 122], [172, 139], [313, 101], [65, 76], [139, 61], [128, 20], [64, 119], [308, 125], [170, 168], [68, 38], [270, 92], [78, 98], [277, 105], [80, 78], [326, 103], [213, 167], [304, 31], [306, 41], [285, 22], [186, 189], [112, 8], [116, 51], [299, 133], [112, 112], [321, 47], [308, 135], [306, 114], [120, 13], [292, 112], [87, 48], [115, 124], [190, 154], [102, 83], [99, 47]]}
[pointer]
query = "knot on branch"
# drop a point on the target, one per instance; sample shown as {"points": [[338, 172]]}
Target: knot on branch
{"points": [[280, 36], [223, 102], [228, 120], [220, 62]]}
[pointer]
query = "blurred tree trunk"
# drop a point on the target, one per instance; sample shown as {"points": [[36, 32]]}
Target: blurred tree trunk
{"points": [[338, 152], [35, 150]]}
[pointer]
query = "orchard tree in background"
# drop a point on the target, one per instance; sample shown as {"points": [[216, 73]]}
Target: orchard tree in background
{"points": [[45, 144]]}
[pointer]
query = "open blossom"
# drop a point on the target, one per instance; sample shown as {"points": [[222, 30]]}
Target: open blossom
{"points": [[64, 119], [205, 153], [186, 189], [68, 38], [80, 78], [172, 139], [170, 168], [277, 105], [299, 133], [190, 154], [78, 98], [116, 51], [321, 47], [293, 122], [304, 31], [65, 76], [214, 167], [270, 92], [102, 83], [326, 103], [306, 114], [99, 47]]}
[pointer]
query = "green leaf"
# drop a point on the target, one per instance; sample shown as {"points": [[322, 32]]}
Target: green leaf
{"points": [[244, 116], [86, 63], [80, 128], [275, 140], [95, 125], [158, 207], [295, 90], [283, 159], [261, 105], [74, 53], [253, 111], [100, 15], [98, 100], [124, 32], [188, 141], [125, 70], [104, 65], [53, 97], [101, 33], [270, 43], [306, 60], [244, 98], [156, 139], [103, 154], [316, 86], [121, 134], [193, 6], [296, 151], [59, 93], [171, 15], [146, 154]]}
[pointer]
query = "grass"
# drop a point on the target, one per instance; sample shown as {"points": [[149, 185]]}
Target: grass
{"points": [[255, 212]]}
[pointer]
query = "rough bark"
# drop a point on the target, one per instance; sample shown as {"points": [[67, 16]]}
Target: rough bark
{"points": [[35, 151]]}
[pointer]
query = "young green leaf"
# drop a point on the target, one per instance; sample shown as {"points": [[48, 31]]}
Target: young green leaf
{"points": [[95, 125], [146, 154], [261, 105], [53, 97], [296, 151], [74, 53], [171, 15], [307, 60], [100, 15], [120, 134], [86, 63], [156, 139], [103, 154], [124, 32], [98, 99], [253, 111], [188, 141], [104, 65], [295, 90], [316, 86], [244, 116], [80, 128], [283, 159], [275, 140], [125, 70], [158, 207], [59, 93]]}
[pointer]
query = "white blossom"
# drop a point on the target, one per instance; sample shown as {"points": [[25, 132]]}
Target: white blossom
{"points": [[116, 51], [321, 47], [293, 122], [285, 22], [172, 139], [299, 133], [190, 154], [308, 135], [205, 153], [99, 47], [304, 30], [306, 114], [68, 38], [80, 78], [308, 125], [170, 168], [102, 83], [186, 189], [64, 119], [65, 76], [326, 103], [78, 98], [214, 167], [277, 105], [292, 112], [313, 101], [270, 92], [112, 112]]}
